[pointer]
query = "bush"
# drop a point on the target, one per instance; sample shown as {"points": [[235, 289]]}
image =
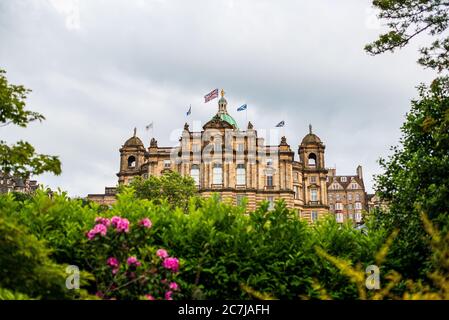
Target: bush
{"points": [[224, 251]]}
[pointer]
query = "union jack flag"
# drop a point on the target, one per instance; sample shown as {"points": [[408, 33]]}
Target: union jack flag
{"points": [[211, 95]]}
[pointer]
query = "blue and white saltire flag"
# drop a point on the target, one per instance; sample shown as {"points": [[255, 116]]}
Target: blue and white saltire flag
{"points": [[190, 110], [242, 108], [280, 124]]}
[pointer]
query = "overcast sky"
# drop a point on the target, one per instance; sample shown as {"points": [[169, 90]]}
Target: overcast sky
{"points": [[100, 68]]}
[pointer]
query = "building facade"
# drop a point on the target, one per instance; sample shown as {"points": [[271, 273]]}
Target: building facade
{"points": [[9, 183], [238, 164], [235, 163], [346, 195]]}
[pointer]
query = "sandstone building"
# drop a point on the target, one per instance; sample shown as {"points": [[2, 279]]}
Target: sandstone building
{"points": [[347, 196], [237, 164], [9, 183]]}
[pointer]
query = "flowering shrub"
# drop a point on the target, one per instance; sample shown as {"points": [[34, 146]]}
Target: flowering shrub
{"points": [[125, 267]]}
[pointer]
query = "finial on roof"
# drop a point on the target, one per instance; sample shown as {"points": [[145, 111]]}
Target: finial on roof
{"points": [[250, 125], [222, 93], [186, 126], [135, 131], [310, 128]]}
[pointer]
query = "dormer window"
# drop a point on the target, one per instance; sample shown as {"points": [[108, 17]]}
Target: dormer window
{"points": [[167, 164]]}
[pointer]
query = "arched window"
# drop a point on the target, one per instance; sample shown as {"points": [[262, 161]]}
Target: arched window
{"points": [[132, 162], [241, 174], [195, 173], [217, 174], [312, 160]]}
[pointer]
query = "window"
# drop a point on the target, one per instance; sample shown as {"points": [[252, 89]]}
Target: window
{"points": [[167, 164], [195, 147], [296, 189], [241, 174], [343, 179], [358, 217], [349, 196], [312, 160], [217, 146], [195, 174], [313, 179], [296, 177], [269, 179], [331, 197], [240, 147], [358, 206], [313, 195], [217, 174], [314, 216], [145, 176], [357, 197], [339, 217], [331, 207], [327, 179], [339, 206], [270, 203], [351, 216], [350, 206], [337, 197], [269, 162], [132, 162], [354, 186], [240, 198]]}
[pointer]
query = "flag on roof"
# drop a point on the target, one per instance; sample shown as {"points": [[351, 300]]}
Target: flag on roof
{"points": [[190, 110], [280, 124], [150, 126], [242, 108], [211, 95]]}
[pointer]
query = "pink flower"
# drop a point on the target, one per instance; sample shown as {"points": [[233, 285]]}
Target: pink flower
{"points": [[115, 270], [115, 220], [146, 223], [132, 261], [168, 295], [149, 297], [174, 286], [112, 262], [162, 253], [171, 264], [98, 229], [104, 221], [91, 234], [101, 229], [123, 225], [99, 294]]}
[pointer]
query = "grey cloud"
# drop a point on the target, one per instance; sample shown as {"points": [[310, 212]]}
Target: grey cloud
{"points": [[134, 62]]}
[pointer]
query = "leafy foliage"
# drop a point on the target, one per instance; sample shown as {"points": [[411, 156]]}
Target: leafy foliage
{"points": [[407, 19], [171, 186], [416, 179], [21, 159], [25, 265]]}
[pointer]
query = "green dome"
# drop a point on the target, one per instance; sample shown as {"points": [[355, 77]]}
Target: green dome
{"points": [[226, 117]]}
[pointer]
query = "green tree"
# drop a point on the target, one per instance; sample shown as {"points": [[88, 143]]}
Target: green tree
{"points": [[171, 186], [407, 19], [416, 177], [21, 159]]}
